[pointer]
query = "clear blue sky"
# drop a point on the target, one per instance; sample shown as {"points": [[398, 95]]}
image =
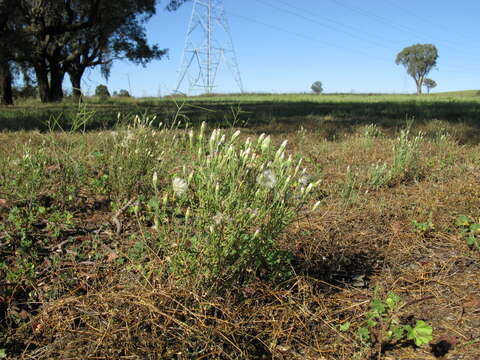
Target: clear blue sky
{"points": [[349, 45]]}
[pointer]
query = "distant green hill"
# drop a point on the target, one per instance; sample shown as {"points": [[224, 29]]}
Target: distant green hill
{"points": [[459, 93]]}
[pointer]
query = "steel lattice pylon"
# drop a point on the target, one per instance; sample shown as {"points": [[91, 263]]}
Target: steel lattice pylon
{"points": [[208, 45]]}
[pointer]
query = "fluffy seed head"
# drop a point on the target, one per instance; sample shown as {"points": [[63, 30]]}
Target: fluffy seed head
{"points": [[180, 186], [267, 179]]}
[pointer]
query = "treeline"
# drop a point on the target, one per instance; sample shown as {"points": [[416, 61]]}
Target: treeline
{"points": [[43, 41]]}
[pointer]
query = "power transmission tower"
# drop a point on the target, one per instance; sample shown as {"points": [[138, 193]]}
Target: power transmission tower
{"points": [[208, 45]]}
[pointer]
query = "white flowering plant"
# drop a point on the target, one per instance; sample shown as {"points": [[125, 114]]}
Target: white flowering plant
{"points": [[227, 207], [405, 164]]}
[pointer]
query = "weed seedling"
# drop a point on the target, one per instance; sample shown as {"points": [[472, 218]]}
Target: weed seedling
{"points": [[382, 326], [470, 231], [423, 227]]}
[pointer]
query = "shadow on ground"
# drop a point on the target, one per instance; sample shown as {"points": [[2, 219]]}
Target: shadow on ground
{"points": [[384, 113]]}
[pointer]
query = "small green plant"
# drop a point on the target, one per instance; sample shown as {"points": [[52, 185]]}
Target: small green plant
{"points": [[224, 210], [405, 163], [348, 192], [470, 231], [372, 131], [423, 227], [383, 326], [58, 221]]}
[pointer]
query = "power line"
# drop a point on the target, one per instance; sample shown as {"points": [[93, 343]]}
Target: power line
{"points": [[315, 21], [316, 40], [356, 30], [428, 21], [389, 22], [307, 37]]}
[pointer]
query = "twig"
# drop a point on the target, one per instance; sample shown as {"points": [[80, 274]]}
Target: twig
{"points": [[417, 301], [119, 212], [58, 245]]}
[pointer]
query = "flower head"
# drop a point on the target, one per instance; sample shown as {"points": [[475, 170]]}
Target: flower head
{"points": [[220, 219], [267, 179], [180, 186], [304, 180]]}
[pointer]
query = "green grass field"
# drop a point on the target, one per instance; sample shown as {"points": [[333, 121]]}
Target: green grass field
{"points": [[305, 228], [256, 109]]}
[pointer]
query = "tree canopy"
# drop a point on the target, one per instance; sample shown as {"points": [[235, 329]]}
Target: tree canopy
{"points": [[59, 37], [419, 60], [317, 87], [429, 84]]}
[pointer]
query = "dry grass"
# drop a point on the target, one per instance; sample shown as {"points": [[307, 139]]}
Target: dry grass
{"points": [[346, 252]]}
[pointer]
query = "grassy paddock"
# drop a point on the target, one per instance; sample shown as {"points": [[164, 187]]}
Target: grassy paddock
{"points": [[257, 109], [146, 243]]}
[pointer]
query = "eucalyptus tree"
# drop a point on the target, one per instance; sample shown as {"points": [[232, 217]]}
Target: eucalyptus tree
{"points": [[317, 87], [68, 36], [419, 60], [429, 84], [123, 37], [49, 25]]}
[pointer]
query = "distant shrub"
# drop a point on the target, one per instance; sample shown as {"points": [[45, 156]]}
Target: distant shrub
{"points": [[123, 93], [102, 92], [478, 93], [25, 92], [317, 87]]}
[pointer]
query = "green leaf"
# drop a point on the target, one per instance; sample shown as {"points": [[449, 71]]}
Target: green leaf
{"points": [[364, 334], [3, 353], [392, 300], [421, 333], [471, 240], [377, 306], [475, 228], [345, 326], [463, 220], [398, 332]]}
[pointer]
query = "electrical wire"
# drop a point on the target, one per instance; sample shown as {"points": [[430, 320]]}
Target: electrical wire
{"points": [[315, 21], [392, 24], [428, 21], [309, 38], [356, 30]]}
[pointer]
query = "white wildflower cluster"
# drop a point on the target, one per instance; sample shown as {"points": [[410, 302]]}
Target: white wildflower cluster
{"points": [[144, 121], [234, 194], [222, 168], [216, 140], [180, 186], [127, 139]]}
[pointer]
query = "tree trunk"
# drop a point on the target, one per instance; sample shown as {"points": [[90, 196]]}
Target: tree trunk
{"points": [[76, 80], [6, 83], [56, 81], [419, 88], [43, 83], [419, 83]]}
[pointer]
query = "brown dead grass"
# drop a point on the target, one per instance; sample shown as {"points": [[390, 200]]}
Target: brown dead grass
{"points": [[344, 254]]}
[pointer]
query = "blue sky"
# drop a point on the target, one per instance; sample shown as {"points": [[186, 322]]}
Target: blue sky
{"points": [[350, 45]]}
